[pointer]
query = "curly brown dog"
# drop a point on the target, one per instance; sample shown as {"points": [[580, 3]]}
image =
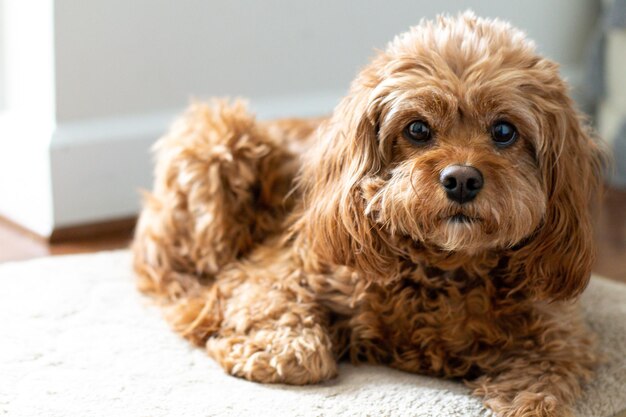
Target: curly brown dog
{"points": [[437, 223]]}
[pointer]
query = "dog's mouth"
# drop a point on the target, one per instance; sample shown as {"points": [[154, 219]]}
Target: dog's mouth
{"points": [[462, 218]]}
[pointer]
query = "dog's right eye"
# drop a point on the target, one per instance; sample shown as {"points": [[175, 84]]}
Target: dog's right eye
{"points": [[417, 132]]}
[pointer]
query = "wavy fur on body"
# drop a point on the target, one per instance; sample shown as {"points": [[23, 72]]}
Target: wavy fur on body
{"points": [[286, 246]]}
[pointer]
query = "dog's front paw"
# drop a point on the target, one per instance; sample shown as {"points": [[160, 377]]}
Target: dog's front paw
{"points": [[529, 404], [276, 356]]}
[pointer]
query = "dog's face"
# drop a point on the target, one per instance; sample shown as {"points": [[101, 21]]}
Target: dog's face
{"points": [[462, 139], [459, 155]]}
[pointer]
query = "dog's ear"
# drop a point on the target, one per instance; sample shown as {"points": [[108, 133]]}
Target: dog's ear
{"points": [[334, 223], [557, 262]]}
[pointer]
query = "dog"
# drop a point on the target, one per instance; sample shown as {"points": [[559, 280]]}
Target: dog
{"points": [[438, 222]]}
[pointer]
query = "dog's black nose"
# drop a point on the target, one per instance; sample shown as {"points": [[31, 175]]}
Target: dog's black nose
{"points": [[461, 182]]}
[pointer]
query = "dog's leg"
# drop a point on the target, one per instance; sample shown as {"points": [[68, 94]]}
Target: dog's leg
{"points": [[272, 328], [285, 349], [543, 381], [220, 187]]}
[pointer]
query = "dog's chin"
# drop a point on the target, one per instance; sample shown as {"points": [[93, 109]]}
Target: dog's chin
{"points": [[462, 233]]}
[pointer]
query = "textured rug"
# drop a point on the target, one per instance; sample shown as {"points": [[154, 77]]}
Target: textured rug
{"points": [[76, 339]]}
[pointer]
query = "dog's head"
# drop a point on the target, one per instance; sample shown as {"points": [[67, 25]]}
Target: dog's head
{"points": [[462, 139]]}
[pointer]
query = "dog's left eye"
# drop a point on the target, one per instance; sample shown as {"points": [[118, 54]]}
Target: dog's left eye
{"points": [[503, 133], [417, 132]]}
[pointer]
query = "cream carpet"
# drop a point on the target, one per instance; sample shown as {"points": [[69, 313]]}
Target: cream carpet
{"points": [[76, 339]]}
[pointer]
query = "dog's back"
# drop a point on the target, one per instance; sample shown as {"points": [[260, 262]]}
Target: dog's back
{"points": [[223, 182]]}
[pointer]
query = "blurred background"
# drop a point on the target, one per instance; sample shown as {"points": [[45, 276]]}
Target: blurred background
{"points": [[87, 86]]}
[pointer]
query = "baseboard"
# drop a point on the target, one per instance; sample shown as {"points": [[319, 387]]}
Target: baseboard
{"points": [[90, 231], [94, 231]]}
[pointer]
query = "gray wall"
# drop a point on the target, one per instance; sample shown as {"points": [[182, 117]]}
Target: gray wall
{"points": [[120, 57]]}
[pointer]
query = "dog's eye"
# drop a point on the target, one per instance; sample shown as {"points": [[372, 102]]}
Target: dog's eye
{"points": [[503, 133], [417, 132]]}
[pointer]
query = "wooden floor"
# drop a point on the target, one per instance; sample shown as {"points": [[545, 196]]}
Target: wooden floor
{"points": [[16, 244], [610, 236]]}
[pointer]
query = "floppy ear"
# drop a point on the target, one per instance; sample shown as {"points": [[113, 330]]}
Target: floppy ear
{"points": [[556, 264], [334, 224]]}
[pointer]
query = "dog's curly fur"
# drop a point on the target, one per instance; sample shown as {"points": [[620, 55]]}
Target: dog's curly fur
{"points": [[286, 246]]}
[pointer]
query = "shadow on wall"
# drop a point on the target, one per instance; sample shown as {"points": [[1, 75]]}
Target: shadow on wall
{"points": [[605, 84]]}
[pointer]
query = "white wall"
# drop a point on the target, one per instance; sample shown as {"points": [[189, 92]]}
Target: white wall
{"points": [[27, 120], [123, 68], [2, 64]]}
